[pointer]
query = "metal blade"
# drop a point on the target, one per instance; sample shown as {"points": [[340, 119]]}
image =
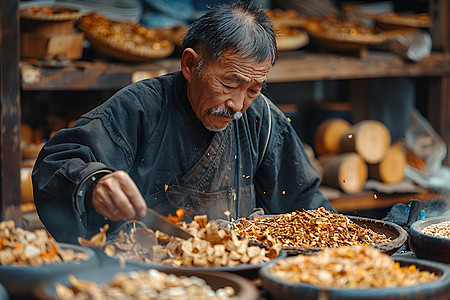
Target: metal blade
{"points": [[155, 221]]}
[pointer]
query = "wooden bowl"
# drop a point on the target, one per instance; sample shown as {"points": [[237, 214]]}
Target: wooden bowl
{"points": [[427, 246], [291, 39], [128, 41]]}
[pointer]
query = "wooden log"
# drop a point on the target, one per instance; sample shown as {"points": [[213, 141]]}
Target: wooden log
{"points": [[311, 155], [369, 138], [26, 185], [392, 168], [346, 171], [329, 134]]}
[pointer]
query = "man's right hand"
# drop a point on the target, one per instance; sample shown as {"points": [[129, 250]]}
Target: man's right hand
{"points": [[116, 197]]}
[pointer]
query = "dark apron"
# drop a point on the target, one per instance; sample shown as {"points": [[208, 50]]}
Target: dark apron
{"points": [[213, 187]]}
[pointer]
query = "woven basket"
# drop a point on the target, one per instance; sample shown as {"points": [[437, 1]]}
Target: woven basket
{"points": [[49, 13]]}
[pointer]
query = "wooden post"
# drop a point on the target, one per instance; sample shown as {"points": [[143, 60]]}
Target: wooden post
{"points": [[439, 92], [10, 112], [440, 13]]}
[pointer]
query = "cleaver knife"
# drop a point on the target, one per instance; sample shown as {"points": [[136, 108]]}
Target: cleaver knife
{"points": [[155, 221]]}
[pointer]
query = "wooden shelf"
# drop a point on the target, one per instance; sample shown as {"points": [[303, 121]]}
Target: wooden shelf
{"points": [[291, 67], [372, 200], [302, 66]]}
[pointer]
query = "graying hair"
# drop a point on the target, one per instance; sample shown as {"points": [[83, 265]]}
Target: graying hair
{"points": [[240, 26]]}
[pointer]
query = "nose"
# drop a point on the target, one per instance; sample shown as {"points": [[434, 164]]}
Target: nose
{"points": [[236, 103]]}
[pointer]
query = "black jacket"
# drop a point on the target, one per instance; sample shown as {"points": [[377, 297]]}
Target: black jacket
{"points": [[149, 130]]}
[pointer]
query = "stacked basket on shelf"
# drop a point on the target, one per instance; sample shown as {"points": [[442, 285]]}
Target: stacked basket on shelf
{"points": [[47, 32]]}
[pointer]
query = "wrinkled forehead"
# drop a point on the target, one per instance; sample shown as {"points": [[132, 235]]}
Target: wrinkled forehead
{"points": [[242, 68]]}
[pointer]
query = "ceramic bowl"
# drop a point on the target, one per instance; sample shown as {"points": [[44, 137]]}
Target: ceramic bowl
{"points": [[427, 246], [20, 281]]}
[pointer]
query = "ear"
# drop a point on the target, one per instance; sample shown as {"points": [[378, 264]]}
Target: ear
{"points": [[189, 61]]}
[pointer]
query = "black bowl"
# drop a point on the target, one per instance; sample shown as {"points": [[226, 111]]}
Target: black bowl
{"points": [[427, 246], [20, 281], [245, 290], [246, 270], [438, 289], [397, 234]]}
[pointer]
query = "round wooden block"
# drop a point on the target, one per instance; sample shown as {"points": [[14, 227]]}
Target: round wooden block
{"points": [[346, 171], [369, 138], [392, 168], [329, 134]]}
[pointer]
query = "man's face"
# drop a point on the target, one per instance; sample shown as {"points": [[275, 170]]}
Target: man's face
{"points": [[225, 89]]}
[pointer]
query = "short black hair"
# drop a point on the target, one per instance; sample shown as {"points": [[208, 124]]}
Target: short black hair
{"points": [[239, 25]]}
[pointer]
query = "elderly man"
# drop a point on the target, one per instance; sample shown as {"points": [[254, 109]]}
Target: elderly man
{"points": [[204, 139]]}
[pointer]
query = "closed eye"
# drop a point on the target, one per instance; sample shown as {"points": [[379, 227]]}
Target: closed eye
{"points": [[227, 86]]}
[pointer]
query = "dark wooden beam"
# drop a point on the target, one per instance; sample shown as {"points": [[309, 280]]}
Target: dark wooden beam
{"points": [[10, 112], [293, 67], [367, 200]]}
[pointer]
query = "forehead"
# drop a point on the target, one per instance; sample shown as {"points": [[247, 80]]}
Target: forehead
{"points": [[240, 69]]}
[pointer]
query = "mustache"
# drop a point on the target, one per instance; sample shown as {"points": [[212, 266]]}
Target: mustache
{"points": [[226, 112]]}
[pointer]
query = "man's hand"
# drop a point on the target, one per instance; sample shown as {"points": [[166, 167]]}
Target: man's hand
{"points": [[116, 197]]}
